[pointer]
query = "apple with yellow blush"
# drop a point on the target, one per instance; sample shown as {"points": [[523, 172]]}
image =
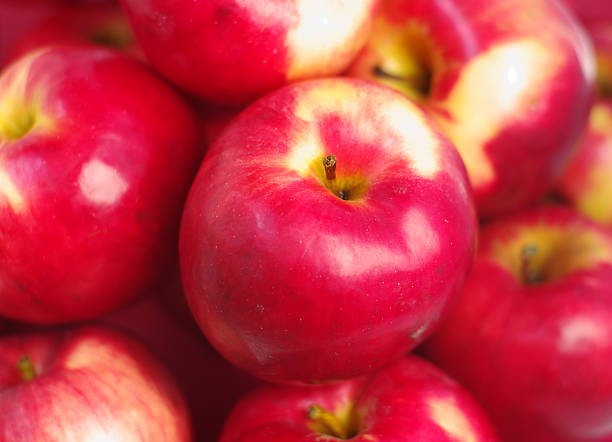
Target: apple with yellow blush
{"points": [[327, 230], [509, 81], [234, 51], [96, 157], [408, 400], [531, 333]]}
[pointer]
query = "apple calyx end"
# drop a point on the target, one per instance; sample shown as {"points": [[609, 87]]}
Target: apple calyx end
{"points": [[26, 368]]}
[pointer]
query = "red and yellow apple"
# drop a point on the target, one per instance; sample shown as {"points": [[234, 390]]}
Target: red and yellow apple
{"points": [[234, 51], [96, 158], [328, 228], [89, 384], [410, 400], [531, 334], [587, 183], [509, 81]]}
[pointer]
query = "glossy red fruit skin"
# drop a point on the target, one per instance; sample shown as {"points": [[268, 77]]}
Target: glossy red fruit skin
{"points": [[210, 385], [232, 52], [530, 118], [91, 383], [536, 357], [91, 196], [102, 24], [295, 285], [591, 12], [408, 400]]}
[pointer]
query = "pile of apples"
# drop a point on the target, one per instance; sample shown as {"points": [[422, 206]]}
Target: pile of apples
{"points": [[306, 220]]}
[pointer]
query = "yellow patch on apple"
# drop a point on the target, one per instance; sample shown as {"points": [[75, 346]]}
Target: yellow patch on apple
{"points": [[517, 71]]}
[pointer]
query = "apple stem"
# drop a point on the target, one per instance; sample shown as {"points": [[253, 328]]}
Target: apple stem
{"points": [[328, 420], [329, 163], [26, 367], [530, 275]]}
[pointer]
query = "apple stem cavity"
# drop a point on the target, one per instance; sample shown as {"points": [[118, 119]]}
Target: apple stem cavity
{"points": [[26, 368], [530, 274], [332, 425]]}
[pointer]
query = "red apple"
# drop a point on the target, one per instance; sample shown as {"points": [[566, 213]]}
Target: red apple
{"points": [[586, 182], [410, 400], [18, 17], [98, 24], [210, 384], [302, 272], [96, 158], [531, 335], [232, 52], [90, 384], [509, 81]]}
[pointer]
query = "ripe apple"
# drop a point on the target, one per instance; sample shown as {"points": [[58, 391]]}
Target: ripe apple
{"points": [[89, 384], [98, 24], [531, 335], [328, 227], [210, 385], [586, 181], [18, 17], [409, 400], [233, 52], [512, 97], [96, 158]]}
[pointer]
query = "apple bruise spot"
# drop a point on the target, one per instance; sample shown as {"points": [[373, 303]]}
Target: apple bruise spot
{"points": [[26, 368]]}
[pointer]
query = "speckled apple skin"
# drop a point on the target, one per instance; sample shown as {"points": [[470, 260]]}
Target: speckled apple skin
{"points": [[513, 98], [536, 357], [234, 51], [91, 196], [292, 283], [92, 383], [409, 400]]}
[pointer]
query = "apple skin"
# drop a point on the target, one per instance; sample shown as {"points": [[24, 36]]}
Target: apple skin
{"points": [[536, 356], [504, 92], [91, 384], [586, 181], [232, 52], [210, 385], [408, 400], [18, 17], [294, 284], [91, 195], [103, 24], [591, 12]]}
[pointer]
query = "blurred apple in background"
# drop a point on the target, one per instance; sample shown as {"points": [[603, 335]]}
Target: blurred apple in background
{"points": [[234, 52], [531, 335], [96, 158], [587, 181], [210, 384], [328, 228], [410, 400], [89, 384], [18, 17], [96, 24], [513, 99], [591, 12]]}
